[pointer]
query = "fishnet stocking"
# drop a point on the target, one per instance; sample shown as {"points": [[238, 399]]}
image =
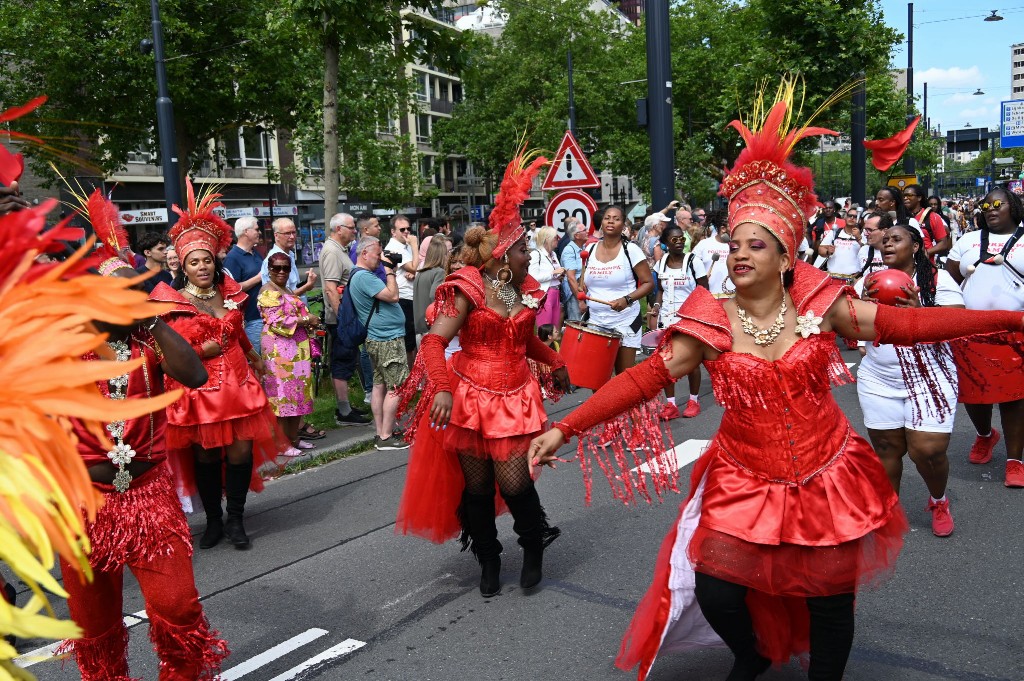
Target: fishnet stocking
{"points": [[513, 476]]}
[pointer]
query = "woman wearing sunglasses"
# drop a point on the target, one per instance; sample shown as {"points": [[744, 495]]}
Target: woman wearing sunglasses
{"points": [[989, 265]]}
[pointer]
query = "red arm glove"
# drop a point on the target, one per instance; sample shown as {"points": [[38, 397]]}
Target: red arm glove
{"points": [[432, 351], [907, 326], [630, 388], [541, 353]]}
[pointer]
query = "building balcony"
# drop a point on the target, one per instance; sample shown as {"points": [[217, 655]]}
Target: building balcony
{"points": [[443, 106]]}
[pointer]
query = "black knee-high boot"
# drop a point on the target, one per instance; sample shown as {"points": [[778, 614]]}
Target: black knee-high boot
{"points": [[724, 606], [832, 621], [209, 485], [531, 524], [480, 535], [236, 486]]}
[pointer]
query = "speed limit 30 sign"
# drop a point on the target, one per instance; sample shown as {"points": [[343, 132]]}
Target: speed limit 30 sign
{"points": [[570, 204]]}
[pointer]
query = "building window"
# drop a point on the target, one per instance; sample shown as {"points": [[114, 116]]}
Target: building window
{"points": [[248, 149], [423, 128], [422, 87]]}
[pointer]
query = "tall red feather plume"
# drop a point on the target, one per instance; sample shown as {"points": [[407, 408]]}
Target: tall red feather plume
{"points": [[25, 231], [199, 226], [105, 219], [505, 219]]}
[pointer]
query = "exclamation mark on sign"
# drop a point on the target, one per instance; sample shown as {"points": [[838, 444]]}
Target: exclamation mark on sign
{"points": [[568, 165]]}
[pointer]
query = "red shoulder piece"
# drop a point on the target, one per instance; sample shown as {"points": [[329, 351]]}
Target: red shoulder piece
{"points": [[232, 290], [163, 293], [468, 281], [813, 290], [704, 318], [531, 287]]}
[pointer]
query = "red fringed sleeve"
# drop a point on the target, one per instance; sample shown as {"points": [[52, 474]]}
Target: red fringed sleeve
{"points": [[628, 408], [539, 352], [430, 374], [908, 326], [543, 360]]}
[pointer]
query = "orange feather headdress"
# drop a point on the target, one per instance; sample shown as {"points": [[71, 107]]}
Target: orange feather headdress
{"points": [[764, 187], [199, 226], [505, 219]]}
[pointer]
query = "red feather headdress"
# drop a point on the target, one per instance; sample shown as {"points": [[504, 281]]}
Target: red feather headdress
{"points": [[113, 249], [505, 219], [764, 187], [199, 226]]}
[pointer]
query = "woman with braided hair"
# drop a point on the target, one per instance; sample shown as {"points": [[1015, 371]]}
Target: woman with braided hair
{"points": [[478, 412], [989, 265], [908, 395]]}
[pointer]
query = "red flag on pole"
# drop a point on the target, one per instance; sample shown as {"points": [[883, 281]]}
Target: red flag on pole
{"points": [[885, 153]]}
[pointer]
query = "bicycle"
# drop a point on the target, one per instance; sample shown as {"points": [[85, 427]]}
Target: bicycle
{"points": [[321, 366]]}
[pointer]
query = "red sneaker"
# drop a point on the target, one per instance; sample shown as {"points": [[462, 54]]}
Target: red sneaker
{"points": [[942, 521], [669, 412], [1014, 473], [692, 409], [981, 452]]}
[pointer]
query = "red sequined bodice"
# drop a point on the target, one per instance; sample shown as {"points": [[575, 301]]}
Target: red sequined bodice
{"points": [[493, 355]]}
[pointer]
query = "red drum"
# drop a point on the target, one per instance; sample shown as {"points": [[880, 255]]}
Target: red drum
{"points": [[650, 341], [589, 353]]}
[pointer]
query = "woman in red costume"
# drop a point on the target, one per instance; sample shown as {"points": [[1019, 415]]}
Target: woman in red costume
{"points": [[229, 414], [784, 520], [478, 412], [141, 525]]}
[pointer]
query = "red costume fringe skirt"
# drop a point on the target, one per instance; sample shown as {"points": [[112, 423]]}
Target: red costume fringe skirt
{"points": [[990, 373]]}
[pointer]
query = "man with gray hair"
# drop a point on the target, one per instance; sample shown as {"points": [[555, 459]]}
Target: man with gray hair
{"points": [[376, 302], [335, 270], [285, 235], [244, 265]]}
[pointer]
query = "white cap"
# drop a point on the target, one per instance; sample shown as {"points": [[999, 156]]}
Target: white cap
{"points": [[655, 218]]}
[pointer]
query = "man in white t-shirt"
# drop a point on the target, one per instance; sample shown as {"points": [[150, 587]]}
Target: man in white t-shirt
{"points": [[842, 248], [404, 243], [713, 253], [870, 255]]}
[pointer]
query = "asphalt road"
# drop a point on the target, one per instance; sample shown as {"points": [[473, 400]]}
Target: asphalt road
{"points": [[328, 590]]}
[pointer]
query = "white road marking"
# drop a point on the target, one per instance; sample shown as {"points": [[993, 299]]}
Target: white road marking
{"points": [[850, 365], [46, 652], [343, 648], [686, 453], [280, 650], [412, 593]]}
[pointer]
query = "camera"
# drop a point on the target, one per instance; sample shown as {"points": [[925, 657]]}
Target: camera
{"points": [[391, 258]]}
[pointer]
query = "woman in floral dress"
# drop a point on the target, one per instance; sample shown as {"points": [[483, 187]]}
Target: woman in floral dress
{"points": [[286, 351]]}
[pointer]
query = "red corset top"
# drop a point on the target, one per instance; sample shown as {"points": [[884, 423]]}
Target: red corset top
{"points": [[781, 422], [493, 355]]}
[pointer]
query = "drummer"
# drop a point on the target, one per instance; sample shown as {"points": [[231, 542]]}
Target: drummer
{"points": [[678, 275], [616, 276]]}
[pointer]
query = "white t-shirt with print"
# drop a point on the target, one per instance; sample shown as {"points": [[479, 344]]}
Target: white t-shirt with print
{"points": [[876, 259], [676, 285], [846, 259], [717, 270], [405, 285], [610, 281], [990, 287]]}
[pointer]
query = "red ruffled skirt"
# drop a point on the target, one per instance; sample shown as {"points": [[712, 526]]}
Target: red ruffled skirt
{"points": [[990, 373]]}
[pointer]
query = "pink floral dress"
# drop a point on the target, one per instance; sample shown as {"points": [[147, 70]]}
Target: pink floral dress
{"points": [[285, 347]]}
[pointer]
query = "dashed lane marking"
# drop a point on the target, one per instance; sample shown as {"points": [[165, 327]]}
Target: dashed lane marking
{"points": [[268, 656], [45, 653], [686, 453], [344, 648]]}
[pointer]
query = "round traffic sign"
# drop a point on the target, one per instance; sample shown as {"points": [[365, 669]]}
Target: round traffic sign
{"points": [[570, 204]]}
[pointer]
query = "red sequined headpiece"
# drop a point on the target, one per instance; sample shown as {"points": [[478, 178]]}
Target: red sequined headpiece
{"points": [[199, 226], [764, 187], [505, 219]]}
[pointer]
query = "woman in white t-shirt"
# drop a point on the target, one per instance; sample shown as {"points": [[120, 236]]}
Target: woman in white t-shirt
{"points": [[908, 394], [545, 268], [678, 275], [616, 272], [989, 263], [842, 248], [713, 251]]}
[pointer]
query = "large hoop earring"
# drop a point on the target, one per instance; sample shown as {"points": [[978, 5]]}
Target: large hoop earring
{"points": [[727, 291], [507, 278]]}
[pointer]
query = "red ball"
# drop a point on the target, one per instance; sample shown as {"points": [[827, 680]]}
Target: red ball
{"points": [[889, 285]]}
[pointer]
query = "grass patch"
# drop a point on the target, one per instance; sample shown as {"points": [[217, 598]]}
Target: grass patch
{"points": [[325, 458]]}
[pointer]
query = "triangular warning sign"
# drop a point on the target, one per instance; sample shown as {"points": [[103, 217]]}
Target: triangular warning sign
{"points": [[570, 169]]}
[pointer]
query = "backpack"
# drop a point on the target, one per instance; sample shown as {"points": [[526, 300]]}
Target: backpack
{"points": [[351, 329], [688, 266]]}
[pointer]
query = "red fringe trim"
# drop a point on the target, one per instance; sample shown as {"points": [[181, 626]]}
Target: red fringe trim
{"points": [[139, 525], [101, 658], [416, 383], [549, 389], [926, 370], [190, 652], [631, 440]]}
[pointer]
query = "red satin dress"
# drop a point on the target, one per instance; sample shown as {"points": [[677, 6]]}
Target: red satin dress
{"points": [[231, 406], [497, 408], [788, 500]]}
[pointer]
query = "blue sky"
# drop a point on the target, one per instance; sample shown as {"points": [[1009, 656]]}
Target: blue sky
{"points": [[956, 52]]}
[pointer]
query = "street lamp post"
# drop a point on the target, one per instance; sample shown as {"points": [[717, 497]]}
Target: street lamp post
{"points": [[908, 159], [659, 103], [164, 116]]}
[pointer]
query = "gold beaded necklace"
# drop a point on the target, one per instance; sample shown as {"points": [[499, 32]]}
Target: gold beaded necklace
{"points": [[767, 336]]}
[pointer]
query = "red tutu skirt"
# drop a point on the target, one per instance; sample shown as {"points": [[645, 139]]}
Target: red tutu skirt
{"points": [[990, 373], [268, 441]]}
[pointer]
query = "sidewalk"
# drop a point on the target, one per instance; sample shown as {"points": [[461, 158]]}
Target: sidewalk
{"points": [[336, 440]]}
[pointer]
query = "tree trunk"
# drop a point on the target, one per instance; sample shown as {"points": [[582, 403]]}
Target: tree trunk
{"points": [[331, 158]]}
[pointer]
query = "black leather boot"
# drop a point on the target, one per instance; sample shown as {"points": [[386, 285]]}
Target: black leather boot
{"points": [[236, 486], [531, 524], [209, 485], [480, 535]]}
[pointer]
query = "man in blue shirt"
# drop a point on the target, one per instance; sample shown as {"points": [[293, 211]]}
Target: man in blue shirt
{"points": [[367, 225], [385, 336], [244, 265]]}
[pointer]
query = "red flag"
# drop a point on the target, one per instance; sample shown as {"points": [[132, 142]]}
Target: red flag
{"points": [[885, 153]]}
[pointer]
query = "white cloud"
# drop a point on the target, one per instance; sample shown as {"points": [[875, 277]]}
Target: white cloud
{"points": [[980, 115], [951, 77]]}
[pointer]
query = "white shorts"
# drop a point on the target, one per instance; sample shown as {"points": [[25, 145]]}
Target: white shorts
{"points": [[892, 413], [630, 338]]}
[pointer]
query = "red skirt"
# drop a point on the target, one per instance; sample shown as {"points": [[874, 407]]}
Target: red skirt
{"points": [[268, 441], [990, 373]]}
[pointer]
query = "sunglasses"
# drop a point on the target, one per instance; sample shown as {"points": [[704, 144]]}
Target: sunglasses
{"points": [[280, 268], [403, 231], [985, 207], [851, 215]]}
